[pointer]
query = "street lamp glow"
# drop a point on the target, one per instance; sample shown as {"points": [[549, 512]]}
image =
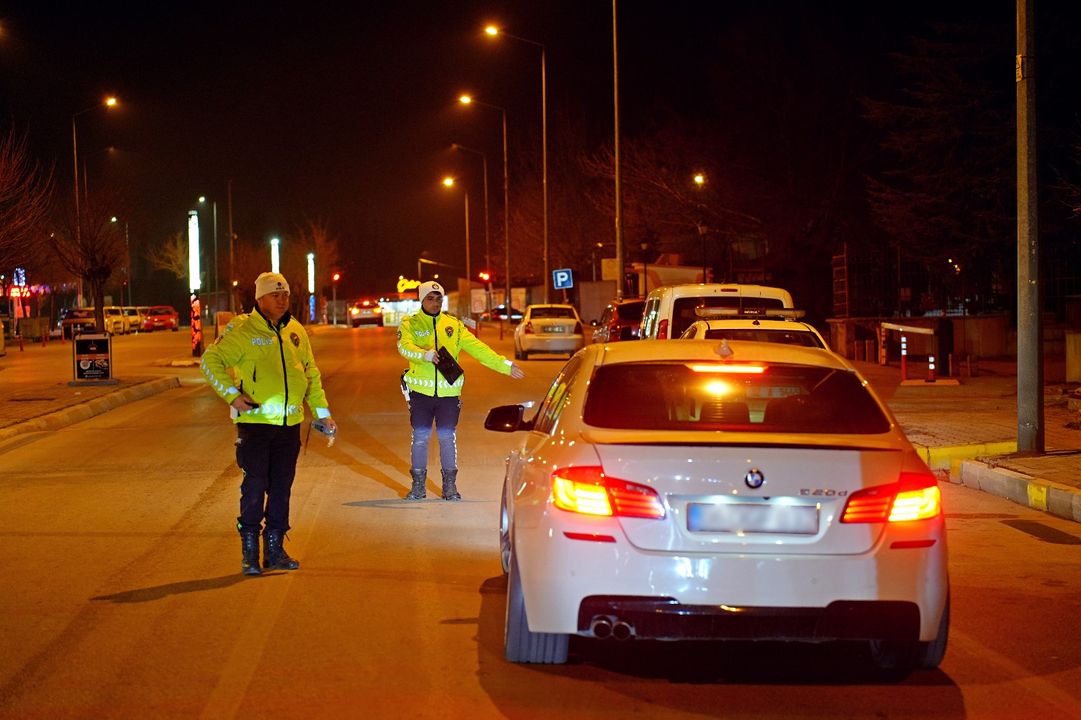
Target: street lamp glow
{"points": [[699, 179], [111, 101], [112, 219], [193, 251], [202, 198], [465, 99], [448, 181], [274, 255], [491, 30]]}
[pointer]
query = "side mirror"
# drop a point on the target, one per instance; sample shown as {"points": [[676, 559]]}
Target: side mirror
{"points": [[507, 418]]}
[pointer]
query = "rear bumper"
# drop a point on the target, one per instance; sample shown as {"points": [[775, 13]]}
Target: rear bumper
{"points": [[552, 343], [665, 618]]}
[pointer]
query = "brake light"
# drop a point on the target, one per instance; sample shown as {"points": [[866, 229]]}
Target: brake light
{"points": [[662, 330], [588, 491], [915, 496], [728, 368], [528, 329]]}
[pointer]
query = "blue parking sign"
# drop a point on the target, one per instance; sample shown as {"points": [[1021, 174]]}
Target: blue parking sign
{"points": [[562, 279]]}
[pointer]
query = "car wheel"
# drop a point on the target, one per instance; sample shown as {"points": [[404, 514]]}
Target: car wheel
{"points": [[517, 353], [913, 655], [525, 355], [520, 644], [175, 329], [504, 532]]}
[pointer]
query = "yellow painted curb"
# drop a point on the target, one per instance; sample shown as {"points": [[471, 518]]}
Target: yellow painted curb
{"points": [[949, 457], [1037, 496]]}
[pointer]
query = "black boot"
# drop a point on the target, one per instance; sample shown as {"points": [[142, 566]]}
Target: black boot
{"points": [[249, 548], [274, 555], [420, 477], [450, 491]]}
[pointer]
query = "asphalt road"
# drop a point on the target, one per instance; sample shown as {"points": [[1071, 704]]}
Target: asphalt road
{"points": [[122, 595]]}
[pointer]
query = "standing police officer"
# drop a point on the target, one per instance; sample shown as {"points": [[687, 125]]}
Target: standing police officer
{"points": [[431, 397], [273, 372]]}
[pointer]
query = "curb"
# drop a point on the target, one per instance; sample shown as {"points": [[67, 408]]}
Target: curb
{"points": [[950, 457], [1054, 498], [90, 408]]}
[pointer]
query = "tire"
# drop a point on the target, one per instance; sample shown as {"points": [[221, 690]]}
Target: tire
{"points": [[906, 656], [517, 353], [520, 644]]}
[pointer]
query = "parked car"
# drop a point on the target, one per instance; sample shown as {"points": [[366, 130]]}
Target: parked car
{"points": [[500, 312], [548, 329], [621, 320], [670, 309], [76, 321], [719, 490], [161, 317], [366, 311], [134, 318], [116, 322], [754, 324]]}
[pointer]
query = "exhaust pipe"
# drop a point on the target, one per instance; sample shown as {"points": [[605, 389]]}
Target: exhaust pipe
{"points": [[622, 630], [601, 627]]}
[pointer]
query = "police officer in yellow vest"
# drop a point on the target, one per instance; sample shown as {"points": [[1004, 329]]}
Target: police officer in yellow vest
{"points": [[431, 397], [273, 372]]}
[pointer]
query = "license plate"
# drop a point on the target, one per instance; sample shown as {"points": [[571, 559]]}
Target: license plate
{"points": [[555, 329], [752, 518]]}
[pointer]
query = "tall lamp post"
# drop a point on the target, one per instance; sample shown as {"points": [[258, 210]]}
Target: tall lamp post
{"points": [[700, 182], [214, 274], [108, 102], [275, 255], [615, 156], [487, 244], [449, 182], [493, 31], [467, 100], [334, 296]]}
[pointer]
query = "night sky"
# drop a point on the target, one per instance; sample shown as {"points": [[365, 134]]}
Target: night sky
{"points": [[344, 115]]}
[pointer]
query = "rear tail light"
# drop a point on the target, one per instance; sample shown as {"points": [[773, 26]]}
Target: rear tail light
{"points": [[528, 329], [662, 330], [915, 496], [588, 491]]}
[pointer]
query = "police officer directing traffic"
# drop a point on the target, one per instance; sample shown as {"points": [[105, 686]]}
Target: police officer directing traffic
{"points": [[273, 374], [431, 397]]}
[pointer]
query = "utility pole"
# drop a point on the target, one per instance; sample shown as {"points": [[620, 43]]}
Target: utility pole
{"points": [[232, 274], [618, 188], [1030, 416]]}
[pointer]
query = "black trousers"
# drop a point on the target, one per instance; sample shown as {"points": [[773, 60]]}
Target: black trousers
{"points": [[268, 456]]}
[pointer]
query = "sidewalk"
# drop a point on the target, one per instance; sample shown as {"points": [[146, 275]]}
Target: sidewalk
{"points": [[968, 431]]}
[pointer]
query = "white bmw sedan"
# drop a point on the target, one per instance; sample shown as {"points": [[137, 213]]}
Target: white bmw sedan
{"points": [[719, 490]]}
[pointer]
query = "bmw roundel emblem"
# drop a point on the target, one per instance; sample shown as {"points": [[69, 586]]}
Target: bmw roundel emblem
{"points": [[754, 478]]}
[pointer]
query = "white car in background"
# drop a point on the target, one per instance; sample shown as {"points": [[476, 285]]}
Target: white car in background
{"points": [[754, 325], [712, 490], [671, 309], [548, 328]]}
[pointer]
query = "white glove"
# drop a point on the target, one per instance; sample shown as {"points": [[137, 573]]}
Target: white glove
{"points": [[430, 356]]}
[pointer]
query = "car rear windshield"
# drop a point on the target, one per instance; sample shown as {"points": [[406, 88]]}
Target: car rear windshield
{"points": [[552, 312], [695, 396], [630, 312], [683, 315], [161, 311], [788, 337]]}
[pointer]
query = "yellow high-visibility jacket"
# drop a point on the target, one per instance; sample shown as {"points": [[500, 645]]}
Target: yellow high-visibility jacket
{"points": [[421, 332], [273, 366]]}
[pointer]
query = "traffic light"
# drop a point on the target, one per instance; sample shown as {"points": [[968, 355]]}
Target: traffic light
{"points": [[484, 275]]}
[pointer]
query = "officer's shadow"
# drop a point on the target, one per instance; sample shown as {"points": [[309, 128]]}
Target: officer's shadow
{"points": [[354, 441], [158, 592]]}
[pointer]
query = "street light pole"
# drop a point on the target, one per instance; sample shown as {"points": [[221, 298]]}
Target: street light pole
{"points": [[466, 100], [618, 188], [232, 271], [493, 31], [450, 182], [109, 102], [484, 161]]}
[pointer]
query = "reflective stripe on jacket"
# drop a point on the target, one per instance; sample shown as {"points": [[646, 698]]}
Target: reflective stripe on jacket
{"points": [[274, 366], [421, 332]]}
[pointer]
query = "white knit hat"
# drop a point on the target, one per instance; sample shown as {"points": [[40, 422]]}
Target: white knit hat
{"points": [[270, 282], [429, 287]]}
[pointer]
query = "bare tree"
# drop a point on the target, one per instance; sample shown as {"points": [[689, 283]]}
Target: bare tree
{"points": [[25, 195], [171, 255], [91, 245]]}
